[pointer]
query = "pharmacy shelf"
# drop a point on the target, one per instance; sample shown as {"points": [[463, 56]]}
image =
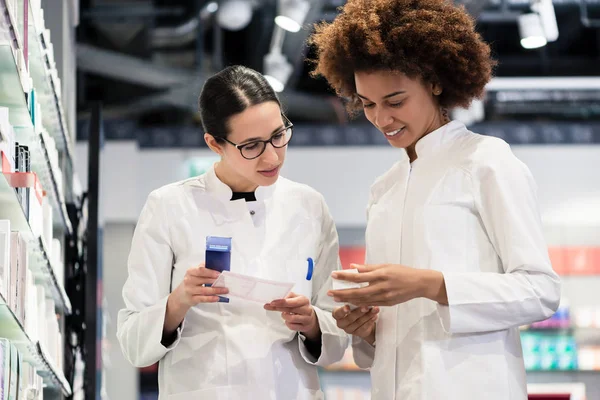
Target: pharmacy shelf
{"points": [[41, 164], [13, 97], [10, 20], [31, 351], [47, 86], [41, 263], [11, 89]]}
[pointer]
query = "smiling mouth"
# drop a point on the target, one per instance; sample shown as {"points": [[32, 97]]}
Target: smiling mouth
{"points": [[394, 133]]}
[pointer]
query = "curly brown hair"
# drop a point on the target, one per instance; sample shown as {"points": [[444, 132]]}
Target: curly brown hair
{"points": [[433, 40]]}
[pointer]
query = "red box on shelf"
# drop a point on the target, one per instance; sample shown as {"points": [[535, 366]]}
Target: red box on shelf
{"points": [[5, 165]]}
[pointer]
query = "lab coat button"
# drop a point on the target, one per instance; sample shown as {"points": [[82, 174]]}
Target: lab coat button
{"points": [[252, 212]]}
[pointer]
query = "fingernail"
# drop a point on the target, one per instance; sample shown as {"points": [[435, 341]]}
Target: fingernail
{"points": [[364, 309], [347, 309], [334, 275]]}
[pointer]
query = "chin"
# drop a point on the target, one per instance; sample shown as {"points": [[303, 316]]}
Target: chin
{"points": [[399, 144], [266, 180]]}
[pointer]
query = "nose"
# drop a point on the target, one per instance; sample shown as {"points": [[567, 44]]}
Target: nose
{"points": [[270, 155], [383, 117]]}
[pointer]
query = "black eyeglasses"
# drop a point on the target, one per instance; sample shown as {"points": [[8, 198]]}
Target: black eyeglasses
{"points": [[254, 149]]}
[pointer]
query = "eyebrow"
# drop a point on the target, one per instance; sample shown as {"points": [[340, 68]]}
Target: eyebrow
{"points": [[254, 139], [387, 96]]}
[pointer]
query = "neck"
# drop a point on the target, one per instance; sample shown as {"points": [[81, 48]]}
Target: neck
{"points": [[235, 182], [440, 120]]}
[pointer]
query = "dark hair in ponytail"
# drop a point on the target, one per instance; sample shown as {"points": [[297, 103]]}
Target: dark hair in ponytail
{"points": [[230, 92]]}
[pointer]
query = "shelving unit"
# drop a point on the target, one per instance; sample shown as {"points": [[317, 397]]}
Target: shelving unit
{"points": [[15, 85], [46, 83], [41, 263], [32, 352], [10, 96]]}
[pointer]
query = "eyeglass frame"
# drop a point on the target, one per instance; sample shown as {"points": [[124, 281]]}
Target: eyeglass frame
{"points": [[270, 140]]}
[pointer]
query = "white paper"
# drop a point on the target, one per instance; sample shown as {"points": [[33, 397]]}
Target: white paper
{"points": [[339, 284], [253, 289]]}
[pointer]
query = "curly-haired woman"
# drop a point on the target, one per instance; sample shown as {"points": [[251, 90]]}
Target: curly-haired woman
{"points": [[456, 255]]}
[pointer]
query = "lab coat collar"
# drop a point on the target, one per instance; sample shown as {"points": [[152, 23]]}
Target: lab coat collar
{"points": [[224, 192], [431, 143]]}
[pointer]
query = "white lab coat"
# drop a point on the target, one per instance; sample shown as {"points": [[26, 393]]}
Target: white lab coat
{"points": [[233, 350], [467, 208]]}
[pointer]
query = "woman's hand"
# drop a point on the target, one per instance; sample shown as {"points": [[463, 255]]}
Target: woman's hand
{"points": [[359, 322], [191, 291], [298, 315], [390, 285]]}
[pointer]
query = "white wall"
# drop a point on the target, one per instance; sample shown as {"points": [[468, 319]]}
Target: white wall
{"points": [[568, 178], [121, 377]]}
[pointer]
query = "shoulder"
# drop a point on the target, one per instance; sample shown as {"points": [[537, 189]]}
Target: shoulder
{"points": [[487, 156], [289, 188], [170, 194], [301, 195], [384, 182]]}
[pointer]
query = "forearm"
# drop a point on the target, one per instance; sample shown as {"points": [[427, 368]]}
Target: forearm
{"points": [[174, 316]]}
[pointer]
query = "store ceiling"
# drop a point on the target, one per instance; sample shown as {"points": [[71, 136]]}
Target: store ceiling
{"points": [[148, 59]]}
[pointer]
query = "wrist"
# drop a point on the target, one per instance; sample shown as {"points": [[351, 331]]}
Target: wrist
{"points": [[175, 304], [371, 338], [314, 332], [434, 286]]}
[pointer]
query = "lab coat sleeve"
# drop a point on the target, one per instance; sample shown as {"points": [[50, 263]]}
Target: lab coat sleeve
{"points": [[363, 353], [529, 289], [141, 322], [334, 340]]}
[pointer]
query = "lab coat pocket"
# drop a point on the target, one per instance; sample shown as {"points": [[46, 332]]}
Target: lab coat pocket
{"points": [[466, 367], [298, 272], [198, 361]]}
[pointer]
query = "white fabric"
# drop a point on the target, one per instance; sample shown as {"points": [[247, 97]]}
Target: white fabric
{"points": [[468, 209], [233, 350]]}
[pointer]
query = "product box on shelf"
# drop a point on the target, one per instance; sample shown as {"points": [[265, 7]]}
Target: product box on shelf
{"points": [[5, 260], [31, 314], [4, 368], [15, 361], [549, 352], [22, 279], [7, 142], [41, 315], [18, 270]]}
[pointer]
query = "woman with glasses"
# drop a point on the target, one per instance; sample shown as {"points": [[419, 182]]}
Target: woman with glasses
{"points": [[208, 346]]}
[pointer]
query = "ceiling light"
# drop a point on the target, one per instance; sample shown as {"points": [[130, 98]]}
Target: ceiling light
{"points": [[545, 9], [212, 7], [277, 70], [292, 14], [234, 15], [531, 31]]}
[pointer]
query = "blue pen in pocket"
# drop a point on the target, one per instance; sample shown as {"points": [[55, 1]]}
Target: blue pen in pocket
{"points": [[218, 256], [311, 266]]}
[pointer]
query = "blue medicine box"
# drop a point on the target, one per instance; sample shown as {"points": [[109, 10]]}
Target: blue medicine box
{"points": [[218, 253]]}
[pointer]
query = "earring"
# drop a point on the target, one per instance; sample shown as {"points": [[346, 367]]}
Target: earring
{"points": [[437, 92]]}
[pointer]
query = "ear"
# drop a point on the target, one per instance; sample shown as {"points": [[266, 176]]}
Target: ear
{"points": [[212, 144]]}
